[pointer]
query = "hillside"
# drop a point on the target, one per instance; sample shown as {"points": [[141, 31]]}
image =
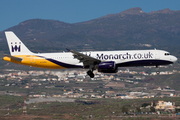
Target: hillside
{"points": [[124, 30]]}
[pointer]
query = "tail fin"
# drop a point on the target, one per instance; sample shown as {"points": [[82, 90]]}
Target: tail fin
{"points": [[16, 47]]}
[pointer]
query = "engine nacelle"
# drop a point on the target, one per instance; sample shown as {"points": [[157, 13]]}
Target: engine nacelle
{"points": [[107, 67]]}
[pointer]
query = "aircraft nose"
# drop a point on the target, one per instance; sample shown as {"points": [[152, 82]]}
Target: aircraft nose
{"points": [[174, 59]]}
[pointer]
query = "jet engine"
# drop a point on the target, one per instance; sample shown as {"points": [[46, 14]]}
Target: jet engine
{"points": [[107, 67]]}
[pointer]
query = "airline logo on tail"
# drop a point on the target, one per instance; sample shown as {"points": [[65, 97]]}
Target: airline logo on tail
{"points": [[16, 48]]}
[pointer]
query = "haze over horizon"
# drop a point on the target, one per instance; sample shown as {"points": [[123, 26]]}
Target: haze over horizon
{"points": [[70, 11]]}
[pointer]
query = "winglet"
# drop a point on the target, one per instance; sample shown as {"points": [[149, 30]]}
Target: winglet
{"points": [[68, 50]]}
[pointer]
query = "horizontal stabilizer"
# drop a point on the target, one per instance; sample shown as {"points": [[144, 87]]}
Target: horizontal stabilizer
{"points": [[14, 58]]}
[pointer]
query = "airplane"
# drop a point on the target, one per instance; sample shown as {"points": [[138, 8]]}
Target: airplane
{"points": [[102, 61]]}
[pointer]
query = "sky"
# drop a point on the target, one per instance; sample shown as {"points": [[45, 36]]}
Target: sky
{"points": [[13, 12]]}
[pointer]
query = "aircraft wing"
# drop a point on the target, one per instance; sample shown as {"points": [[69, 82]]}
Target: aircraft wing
{"points": [[14, 58], [87, 60]]}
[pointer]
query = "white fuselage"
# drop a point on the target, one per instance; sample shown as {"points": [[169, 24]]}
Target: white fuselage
{"points": [[121, 58], [103, 61]]}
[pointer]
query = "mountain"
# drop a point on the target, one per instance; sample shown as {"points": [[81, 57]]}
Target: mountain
{"points": [[130, 29]]}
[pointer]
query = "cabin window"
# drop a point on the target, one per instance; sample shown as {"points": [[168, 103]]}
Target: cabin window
{"points": [[166, 54]]}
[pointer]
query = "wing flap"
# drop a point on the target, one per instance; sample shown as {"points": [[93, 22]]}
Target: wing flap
{"points": [[87, 60]]}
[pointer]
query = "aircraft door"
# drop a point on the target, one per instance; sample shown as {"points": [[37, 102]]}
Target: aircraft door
{"points": [[33, 60], [157, 55]]}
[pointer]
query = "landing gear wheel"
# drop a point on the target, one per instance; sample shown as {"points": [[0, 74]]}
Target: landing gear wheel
{"points": [[157, 72], [90, 73]]}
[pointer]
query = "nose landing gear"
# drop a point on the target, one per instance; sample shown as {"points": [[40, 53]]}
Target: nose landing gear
{"points": [[157, 70]]}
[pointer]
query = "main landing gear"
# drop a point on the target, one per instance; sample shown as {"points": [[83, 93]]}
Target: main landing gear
{"points": [[90, 73]]}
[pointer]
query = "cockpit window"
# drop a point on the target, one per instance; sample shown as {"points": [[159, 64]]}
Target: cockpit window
{"points": [[166, 54]]}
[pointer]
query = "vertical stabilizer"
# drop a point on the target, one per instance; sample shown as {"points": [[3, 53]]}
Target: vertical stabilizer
{"points": [[16, 47]]}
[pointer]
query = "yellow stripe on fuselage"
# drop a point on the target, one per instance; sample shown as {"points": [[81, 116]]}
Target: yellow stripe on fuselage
{"points": [[35, 61]]}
